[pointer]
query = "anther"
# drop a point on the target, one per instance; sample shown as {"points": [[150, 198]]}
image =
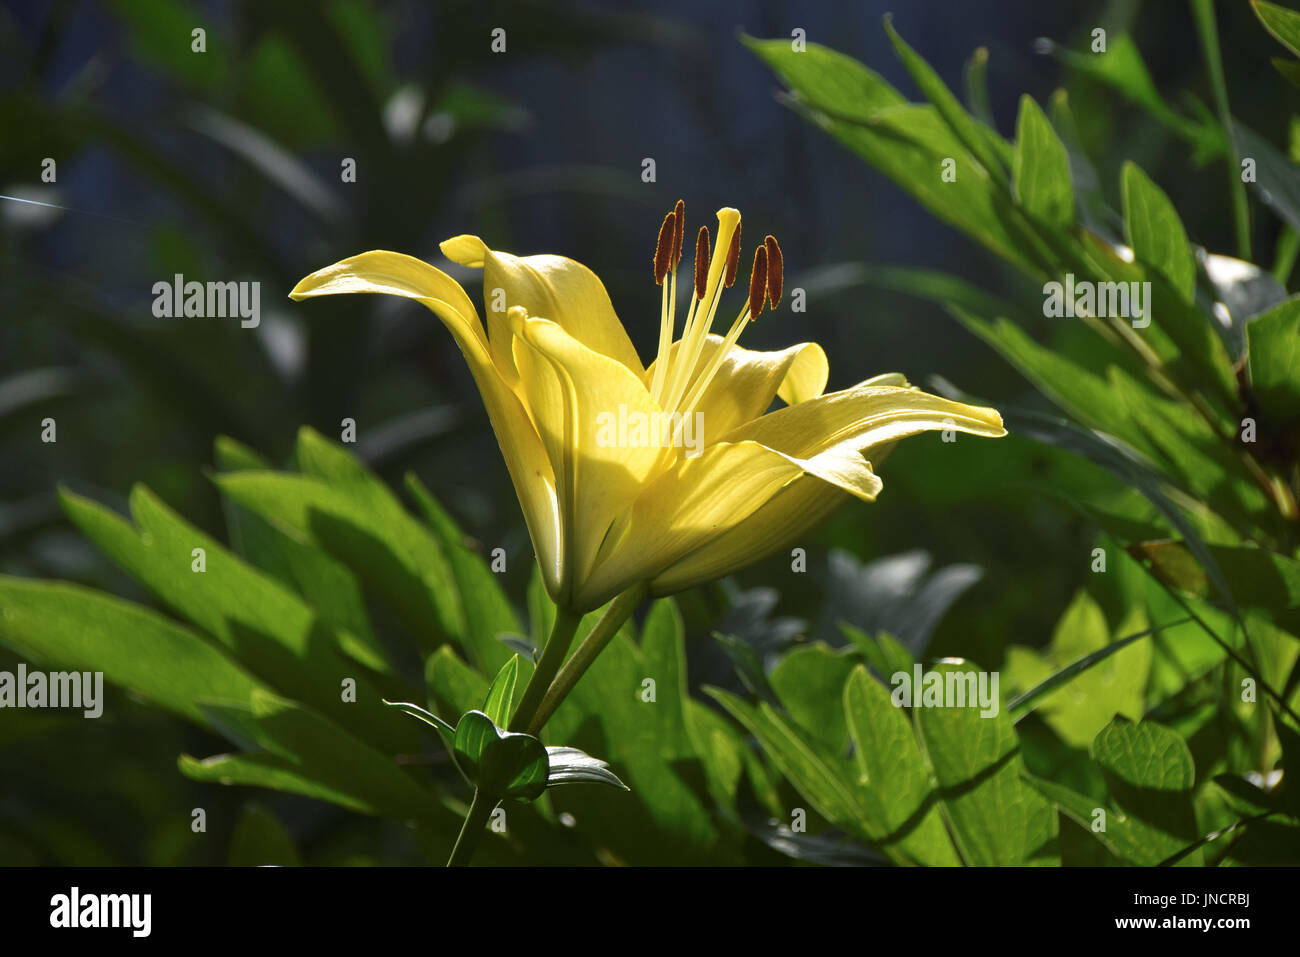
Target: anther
{"points": [[758, 283], [702, 257], [679, 231], [664, 248], [733, 258], [775, 270]]}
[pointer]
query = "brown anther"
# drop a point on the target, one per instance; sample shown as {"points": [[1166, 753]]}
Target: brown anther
{"points": [[758, 283], [664, 248], [679, 231], [733, 258], [702, 256], [775, 270]]}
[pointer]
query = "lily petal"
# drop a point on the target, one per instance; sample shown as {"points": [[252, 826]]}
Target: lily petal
{"points": [[577, 397], [701, 499], [775, 525], [748, 380], [864, 418], [530, 469], [564, 291]]}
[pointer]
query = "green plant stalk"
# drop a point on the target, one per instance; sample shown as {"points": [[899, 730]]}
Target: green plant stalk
{"points": [[543, 695], [1203, 11], [563, 629], [480, 809], [618, 612]]}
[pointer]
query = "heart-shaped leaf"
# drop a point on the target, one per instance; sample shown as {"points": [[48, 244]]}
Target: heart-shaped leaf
{"points": [[571, 766], [499, 762]]}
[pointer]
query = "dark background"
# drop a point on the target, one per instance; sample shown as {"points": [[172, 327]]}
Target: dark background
{"points": [[225, 166]]}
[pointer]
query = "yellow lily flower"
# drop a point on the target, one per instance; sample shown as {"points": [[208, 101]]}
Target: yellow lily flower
{"points": [[668, 476]]}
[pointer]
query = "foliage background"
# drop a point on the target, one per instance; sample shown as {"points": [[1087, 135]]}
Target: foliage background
{"points": [[225, 166]]}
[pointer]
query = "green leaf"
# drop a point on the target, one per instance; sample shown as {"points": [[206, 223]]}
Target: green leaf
{"points": [[809, 683], [1121, 67], [389, 551], [1155, 231], [302, 751], [273, 633], [1075, 668], [1117, 836], [823, 782], [1093, 679], [260, 840], [331, 590], [995, 817], [423, 714], [572, 766], [1255, 577], [1274, 345], [968, 130], [1289, 739], [453, 685], [907, 142], [499, 762], [1041, 172], [334, 465], [1150, 775], [501, 694], [894, 777], [73, 628], [488, 614], [1284, 24]]}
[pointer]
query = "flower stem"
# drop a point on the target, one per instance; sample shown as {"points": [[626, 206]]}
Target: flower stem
{"points": [[557, 646], [480, 809], [618, 612]]}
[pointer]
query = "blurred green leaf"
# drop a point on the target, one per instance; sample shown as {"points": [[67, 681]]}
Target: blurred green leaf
{"points": [[1095, 678], [303, 752], [1156, 232], [488, 613], [1274, 344], [269, 629], [1284, 24], [260, 840], [1042, 168], [70, 627]]}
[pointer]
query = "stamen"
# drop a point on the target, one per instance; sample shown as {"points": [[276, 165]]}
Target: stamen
{"points": [[704, 306], [664, 248], [758, 283], [775, 271], [733, 258], [702, 256], [679, 231], [668, 253]]}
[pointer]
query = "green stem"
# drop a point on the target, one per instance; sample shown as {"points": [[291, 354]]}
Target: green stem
{"points": [[618, 612], [557, 646], [480, 809], [1203, 11]]}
